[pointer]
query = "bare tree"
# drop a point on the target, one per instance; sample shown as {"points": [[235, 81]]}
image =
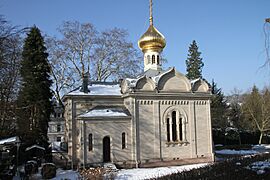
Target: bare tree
{"points": [[106, 56], [61, 72], [10, 58], [114, 57], [77, 44], [256, 108]]}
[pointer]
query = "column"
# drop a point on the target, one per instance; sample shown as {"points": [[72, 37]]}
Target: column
{"points": [[177, 126], [171, 128]]}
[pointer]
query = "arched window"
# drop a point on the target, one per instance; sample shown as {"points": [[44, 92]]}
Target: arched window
{"points": [[148, 59], [175, 127], [90, 142], [157, 59], [123, 140], [180, 129], [153, 59], [174, 133], [168, 129]]}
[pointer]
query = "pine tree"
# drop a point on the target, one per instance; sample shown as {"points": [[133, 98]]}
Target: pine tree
{"points": [[218, 107], [34, 101], [194, 62]]}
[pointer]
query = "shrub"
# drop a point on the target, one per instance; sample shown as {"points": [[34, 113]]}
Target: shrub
{"points": [[230, 169], [48, 171]]}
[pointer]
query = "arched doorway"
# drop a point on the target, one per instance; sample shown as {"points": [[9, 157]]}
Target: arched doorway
{"points": [[106, 149]]}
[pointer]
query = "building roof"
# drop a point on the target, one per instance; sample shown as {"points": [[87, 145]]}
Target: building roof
{"points": [[34, 146], [99, 88], [9, 140], [152, 72], [155, 80], [106, 111]]}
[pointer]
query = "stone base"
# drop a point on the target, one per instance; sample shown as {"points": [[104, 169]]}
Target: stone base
{"points": [[177, 162], [164, 163], [157, 162]]}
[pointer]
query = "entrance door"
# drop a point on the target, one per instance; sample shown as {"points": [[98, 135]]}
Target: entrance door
{"points": [[106, 149]]}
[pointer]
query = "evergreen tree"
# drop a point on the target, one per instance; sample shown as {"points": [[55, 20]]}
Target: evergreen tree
{"points": [[235, 115], [34, 105], [194, 62], [218, 107]]}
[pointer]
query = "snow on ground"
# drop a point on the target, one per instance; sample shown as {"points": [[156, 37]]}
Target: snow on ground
{"points": [[261, 146], [148, 173], [236, 152], [260, 166], [66, 174], [256, 149], [60, 175], [125, 174]]}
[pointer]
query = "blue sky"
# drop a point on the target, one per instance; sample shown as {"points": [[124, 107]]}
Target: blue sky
{"points": [[229, 33]]}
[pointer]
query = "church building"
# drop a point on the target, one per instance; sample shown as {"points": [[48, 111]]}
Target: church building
{"points": [[160, 118]]}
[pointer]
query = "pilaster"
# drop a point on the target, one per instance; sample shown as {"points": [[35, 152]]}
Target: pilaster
{"points": [[193, 129]]}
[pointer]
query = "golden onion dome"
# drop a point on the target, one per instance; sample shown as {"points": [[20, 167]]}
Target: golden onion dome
{"points": [[152, 39]]}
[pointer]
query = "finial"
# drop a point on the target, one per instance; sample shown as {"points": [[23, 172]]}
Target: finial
{"points": [[151, 12]]}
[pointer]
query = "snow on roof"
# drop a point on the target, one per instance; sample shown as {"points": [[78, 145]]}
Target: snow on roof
{"points": [[194, 80], [155, 75], [152, 73], [100, 89], [106, 111], [34, 146], [132, 82], [9, 140]]}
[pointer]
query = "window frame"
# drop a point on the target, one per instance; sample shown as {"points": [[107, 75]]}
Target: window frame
{"points": [[175, 124], [124, 139], [90, 142]]}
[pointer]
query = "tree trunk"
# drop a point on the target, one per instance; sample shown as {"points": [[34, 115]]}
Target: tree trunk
{"points": [[260, 140], [239, 138]]}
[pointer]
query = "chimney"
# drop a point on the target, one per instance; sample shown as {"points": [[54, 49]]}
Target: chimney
{"points": [[85, 83]]}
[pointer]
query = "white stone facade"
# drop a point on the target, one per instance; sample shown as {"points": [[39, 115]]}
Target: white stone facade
{"points": [[157, 119]]}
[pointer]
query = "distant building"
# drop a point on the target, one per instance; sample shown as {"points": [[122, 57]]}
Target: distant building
{"points": [[159, 118], [56, 130]]}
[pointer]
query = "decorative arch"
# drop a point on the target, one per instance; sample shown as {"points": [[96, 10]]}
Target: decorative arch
{"points": [[148, 59], [153, 59], [200, 86], [175, 121], [173, 81], [145, 84]]}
